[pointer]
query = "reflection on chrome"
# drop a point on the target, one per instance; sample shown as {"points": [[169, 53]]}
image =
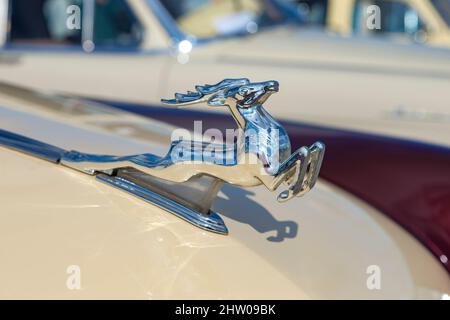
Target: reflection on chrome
{"points": [[263, 151]]}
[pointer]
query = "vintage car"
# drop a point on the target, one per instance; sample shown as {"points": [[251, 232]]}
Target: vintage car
{"points": [[143, 50], [76, 223], [399, 20]]}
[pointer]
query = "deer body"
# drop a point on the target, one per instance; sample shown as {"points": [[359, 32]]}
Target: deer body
{"points": [[264, 150], [262, 154]]}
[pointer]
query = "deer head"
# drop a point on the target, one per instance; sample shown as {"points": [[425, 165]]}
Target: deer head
{"points": [[240, 93]]}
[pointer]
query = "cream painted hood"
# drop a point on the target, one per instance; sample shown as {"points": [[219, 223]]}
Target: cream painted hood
{"points": [[361, 84], [53, 218], [302, 48]]}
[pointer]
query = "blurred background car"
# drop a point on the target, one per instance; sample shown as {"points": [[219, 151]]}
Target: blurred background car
{"points": [[141, 51], [421, 21]]}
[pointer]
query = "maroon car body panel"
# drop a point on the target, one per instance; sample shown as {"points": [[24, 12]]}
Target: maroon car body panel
{"points": [[406, 180]]}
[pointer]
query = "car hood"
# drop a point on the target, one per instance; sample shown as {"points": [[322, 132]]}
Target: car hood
{"points": [[360, 84], [296, 48], [53, 218]]}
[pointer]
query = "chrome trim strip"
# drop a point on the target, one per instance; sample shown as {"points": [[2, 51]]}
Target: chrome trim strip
{"points": [[211, 222], [87, 31], [166, 20], [31, 146], [3, 22]]}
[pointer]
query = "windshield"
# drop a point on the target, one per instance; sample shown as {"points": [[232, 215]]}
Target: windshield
{"points": [[443, 7], [211, 18]]}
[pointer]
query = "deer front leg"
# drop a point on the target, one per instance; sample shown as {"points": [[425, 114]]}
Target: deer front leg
{"points": [[307, 168], [300, 172]]}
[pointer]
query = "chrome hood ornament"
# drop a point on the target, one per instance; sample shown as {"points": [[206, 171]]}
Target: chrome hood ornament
{"points": [[186, 181], [263, 148]]}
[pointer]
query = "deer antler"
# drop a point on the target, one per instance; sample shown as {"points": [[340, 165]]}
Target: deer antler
{"points": [[203, 93]]}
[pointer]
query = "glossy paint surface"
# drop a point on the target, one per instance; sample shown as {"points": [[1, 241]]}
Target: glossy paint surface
{"points": [[319, 246], [408, 181]]}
